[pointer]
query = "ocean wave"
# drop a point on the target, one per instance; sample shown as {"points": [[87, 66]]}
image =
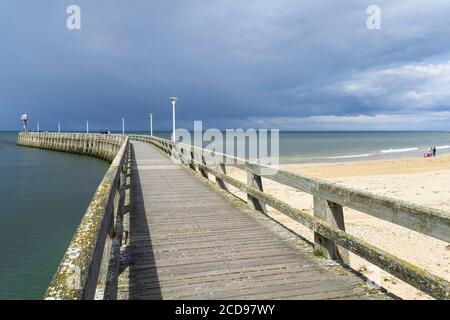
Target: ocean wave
{"points": [[399, 150], [352, 156], [442, 147]]}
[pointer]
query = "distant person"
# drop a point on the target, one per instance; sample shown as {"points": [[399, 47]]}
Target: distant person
{"points": [[434, 151]]}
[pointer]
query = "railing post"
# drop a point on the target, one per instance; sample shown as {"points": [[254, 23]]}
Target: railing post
{"points": [[220, 168], [202, 171], [255, 181], [191, 162], [170, 149], [333, 214], [180, 155]]}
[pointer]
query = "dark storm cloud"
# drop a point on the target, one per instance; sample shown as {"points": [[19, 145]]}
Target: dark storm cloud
{"points": [[293, 64]]}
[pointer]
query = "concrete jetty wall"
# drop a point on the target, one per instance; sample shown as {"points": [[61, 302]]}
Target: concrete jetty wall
{"points": [[85, 269], [100, 146]]}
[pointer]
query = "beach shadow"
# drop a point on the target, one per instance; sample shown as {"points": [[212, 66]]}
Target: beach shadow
{"points": [[143, 281]]}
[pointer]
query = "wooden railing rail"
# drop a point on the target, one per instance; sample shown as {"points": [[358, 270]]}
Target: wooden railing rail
{"points": [[331, 239]]}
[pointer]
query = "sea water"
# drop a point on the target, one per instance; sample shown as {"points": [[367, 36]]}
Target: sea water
{"points": [[43, 195], [301, 147]]}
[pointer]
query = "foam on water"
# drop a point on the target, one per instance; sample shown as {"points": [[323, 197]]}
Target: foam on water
{"points": [[399, 150], [352, 156]]}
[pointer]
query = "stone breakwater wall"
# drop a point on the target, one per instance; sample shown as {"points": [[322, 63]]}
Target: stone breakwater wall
{"points": [[85, 270], [100, 146]]}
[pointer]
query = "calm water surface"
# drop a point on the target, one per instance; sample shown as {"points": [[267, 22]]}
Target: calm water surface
{"points": [[43, 195]]}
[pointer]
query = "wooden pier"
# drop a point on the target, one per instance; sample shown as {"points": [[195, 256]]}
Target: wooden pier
{"points": [[156, 229], [189, 242]]}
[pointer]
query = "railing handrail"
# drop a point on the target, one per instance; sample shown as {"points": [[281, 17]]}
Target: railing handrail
{"points": [[432, 222]]}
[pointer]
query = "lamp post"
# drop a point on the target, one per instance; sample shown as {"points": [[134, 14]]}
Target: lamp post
{"points": [[151, 124], [174, 101], [123, 126]]}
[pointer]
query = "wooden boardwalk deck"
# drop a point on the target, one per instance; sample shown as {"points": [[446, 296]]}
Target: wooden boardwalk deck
{"points": [[186, 241]]}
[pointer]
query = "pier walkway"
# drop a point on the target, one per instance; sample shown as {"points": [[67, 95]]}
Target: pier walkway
{"points": [[186, 241], [155, 229]]}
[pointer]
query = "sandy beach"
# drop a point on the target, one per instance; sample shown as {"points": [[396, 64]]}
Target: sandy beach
{"points": [[423, 181]]}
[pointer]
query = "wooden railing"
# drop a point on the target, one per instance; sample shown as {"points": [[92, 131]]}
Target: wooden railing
{"points": [[83, 271], [330, 238]]}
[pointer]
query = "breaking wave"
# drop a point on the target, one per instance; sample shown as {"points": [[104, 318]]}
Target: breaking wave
{"points": [[399, 150], [352, 156]]}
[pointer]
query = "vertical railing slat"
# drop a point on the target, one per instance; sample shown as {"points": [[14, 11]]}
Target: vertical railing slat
{"points": [[332, 214], [255, 181]]}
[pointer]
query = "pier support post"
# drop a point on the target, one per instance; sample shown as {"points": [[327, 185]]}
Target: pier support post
{"points": [[333, 214], [255, 181]]}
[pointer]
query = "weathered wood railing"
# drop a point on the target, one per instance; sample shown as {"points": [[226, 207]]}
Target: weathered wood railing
{"points": [[331, 239], [83, 270]]}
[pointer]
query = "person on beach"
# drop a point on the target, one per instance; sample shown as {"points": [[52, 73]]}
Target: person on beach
{"points": [[434, 151]]}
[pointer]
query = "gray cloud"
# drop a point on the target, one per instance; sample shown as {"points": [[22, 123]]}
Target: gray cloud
{"points": [[230, 62]]}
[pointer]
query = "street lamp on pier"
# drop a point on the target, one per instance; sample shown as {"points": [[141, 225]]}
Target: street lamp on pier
{"points": [[174, 101], [151, 124]]}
